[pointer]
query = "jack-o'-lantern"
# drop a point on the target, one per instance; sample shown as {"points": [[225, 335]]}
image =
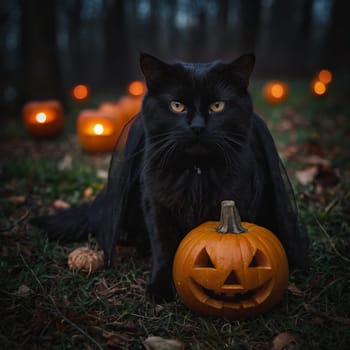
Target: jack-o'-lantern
{"points": [[98, 131], [129, 106], [43, 118], [275, 91], [230, 269]]}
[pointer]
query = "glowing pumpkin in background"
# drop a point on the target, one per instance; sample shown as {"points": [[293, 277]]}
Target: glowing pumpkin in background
{"points": [[98, 131], [275, 91], [130, 106], [111, 108], [230, 269], [43, 118]]}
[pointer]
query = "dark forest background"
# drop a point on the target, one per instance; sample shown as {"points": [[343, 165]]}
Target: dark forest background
{"points": [[47, 46]]}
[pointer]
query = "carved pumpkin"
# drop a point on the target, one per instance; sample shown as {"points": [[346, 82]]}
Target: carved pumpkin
{"points": [[130, 106], [99, 130], [234, 270], [43, 118]]}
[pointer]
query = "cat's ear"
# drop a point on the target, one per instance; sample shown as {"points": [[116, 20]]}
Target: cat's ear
{"points": [[243, 67], [153, 69]]}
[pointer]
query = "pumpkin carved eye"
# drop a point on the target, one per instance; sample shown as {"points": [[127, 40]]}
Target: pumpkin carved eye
{"points": [[217, 106], [177, 106]]}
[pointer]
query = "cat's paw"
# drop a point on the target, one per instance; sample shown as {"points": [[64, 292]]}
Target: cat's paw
{"points": [[161, 293]]}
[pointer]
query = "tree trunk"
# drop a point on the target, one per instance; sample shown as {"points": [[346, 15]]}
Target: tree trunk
{"points": [[303, 45], [250, 11], [279, 53], [338, 39], [77, 66], [117, 67], [40, 64]]}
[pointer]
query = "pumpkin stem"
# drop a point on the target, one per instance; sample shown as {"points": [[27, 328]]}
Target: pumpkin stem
{"points": [[230, 221]]}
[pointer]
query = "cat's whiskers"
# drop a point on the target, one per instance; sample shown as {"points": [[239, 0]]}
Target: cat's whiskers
{"points": [[161, 149]]}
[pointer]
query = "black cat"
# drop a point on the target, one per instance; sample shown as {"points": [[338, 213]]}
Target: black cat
{"points": [[196, 142]]}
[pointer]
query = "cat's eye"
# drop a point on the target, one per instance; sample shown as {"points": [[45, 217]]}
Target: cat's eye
{"points": [[217, 106], [177, 106]]}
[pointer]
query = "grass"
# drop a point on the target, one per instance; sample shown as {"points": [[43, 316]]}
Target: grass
{"points": [[46, 306]]}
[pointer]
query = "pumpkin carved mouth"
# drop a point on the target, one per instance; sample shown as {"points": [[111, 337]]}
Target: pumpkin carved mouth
{"points": [[252, 296]]}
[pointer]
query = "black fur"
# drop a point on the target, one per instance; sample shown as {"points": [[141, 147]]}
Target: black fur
{"points": [[178, 166]]}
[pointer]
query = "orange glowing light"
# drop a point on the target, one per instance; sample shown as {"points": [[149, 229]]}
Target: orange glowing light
{"points": [[319, 88], [277, 90], [41, 117], [325, 76], [98, 129], [136, 88], [80, 92]]}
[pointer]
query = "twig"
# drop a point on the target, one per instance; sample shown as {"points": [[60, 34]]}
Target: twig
{"points": [[20, 220], [331, 242], [342, 320], [324, 289], [58, 311]]}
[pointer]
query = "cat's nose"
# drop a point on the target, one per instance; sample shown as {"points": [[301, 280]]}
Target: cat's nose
{"points": [[197, 125]]}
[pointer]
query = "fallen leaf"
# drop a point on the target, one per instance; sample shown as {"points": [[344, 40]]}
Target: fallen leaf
{"points": [[17, 199], [314, 159], [158, 343], [65, 163], [284, 341], [290, 152], [158, 309], [115, 339], [60, 204], [326, 177], [102, 174], [23, 290], [313, 147], [307, 176], [4, 251], [88, 192], [294, 289]]}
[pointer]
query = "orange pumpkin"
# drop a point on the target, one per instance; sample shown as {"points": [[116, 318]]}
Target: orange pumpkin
{"points": [[98, 131], [43, 118], [230, 269], [129, 106], [275, 91], [111, 108]]}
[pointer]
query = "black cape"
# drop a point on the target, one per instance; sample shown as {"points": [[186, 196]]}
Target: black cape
{"points": [[116, 216]]}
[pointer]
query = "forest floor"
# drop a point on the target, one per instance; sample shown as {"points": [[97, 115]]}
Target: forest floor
{"points": [[44, 305]]}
